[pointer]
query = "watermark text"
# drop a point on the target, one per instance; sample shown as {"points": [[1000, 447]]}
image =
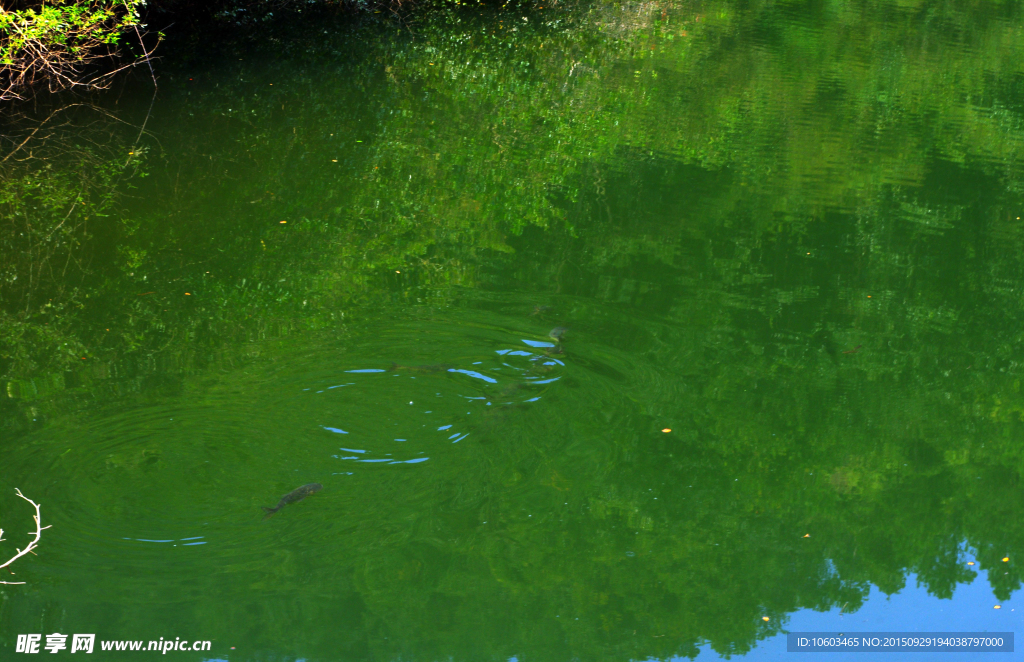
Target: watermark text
{"points": [[85, 643]]}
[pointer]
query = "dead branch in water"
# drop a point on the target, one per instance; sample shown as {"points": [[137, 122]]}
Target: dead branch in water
{"points": [[33, 542]]}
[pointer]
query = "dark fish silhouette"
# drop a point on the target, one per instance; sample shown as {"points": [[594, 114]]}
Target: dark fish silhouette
{"points": [[298, 494], [854, 350], [437, 367]]}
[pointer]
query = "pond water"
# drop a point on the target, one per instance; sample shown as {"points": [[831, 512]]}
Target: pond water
{"points": [[784, 241]]}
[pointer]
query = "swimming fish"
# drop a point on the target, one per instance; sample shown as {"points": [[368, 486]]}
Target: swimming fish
{"points": [[298, 494], [437, 367]]}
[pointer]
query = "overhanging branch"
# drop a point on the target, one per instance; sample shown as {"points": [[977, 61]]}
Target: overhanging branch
{"points": [[38, 534]]}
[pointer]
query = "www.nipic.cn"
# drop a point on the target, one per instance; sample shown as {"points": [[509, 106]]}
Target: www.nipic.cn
{"points": [[84, 643]]}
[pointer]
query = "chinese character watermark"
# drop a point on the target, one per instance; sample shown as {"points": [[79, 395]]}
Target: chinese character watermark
{"points": [[28, 643], [82, 642]]}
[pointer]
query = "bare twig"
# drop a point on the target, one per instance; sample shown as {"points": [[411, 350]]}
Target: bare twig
{"points": [[62, 222], [142, 129], [148, 60], [141, 43], [33, 542], [39, 126]]}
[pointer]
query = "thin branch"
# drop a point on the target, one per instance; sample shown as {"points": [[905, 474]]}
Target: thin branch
{"points": [[38, 534], [148, 59], [37, 129], [141, 43], [142, 129], [62, 222]]}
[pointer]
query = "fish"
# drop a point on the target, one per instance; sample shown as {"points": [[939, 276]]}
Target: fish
{"points": [[557, 333], [854, 350], [437, 367], [298, 494]]}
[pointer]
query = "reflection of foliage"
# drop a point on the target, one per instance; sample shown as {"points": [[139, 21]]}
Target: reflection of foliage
{"points": [[56, 191]]}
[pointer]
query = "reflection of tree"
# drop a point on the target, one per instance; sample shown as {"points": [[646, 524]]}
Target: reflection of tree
{"points": [[60, 187]]}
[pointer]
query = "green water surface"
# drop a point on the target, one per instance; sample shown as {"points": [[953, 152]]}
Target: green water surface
{"points": [[785, 240]]}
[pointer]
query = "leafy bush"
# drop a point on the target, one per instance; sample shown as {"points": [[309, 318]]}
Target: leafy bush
{"points": [[52, 43]]}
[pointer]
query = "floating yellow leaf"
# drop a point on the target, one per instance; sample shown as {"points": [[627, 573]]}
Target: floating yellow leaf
{"points": [[807, 535], [667, 430]]}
